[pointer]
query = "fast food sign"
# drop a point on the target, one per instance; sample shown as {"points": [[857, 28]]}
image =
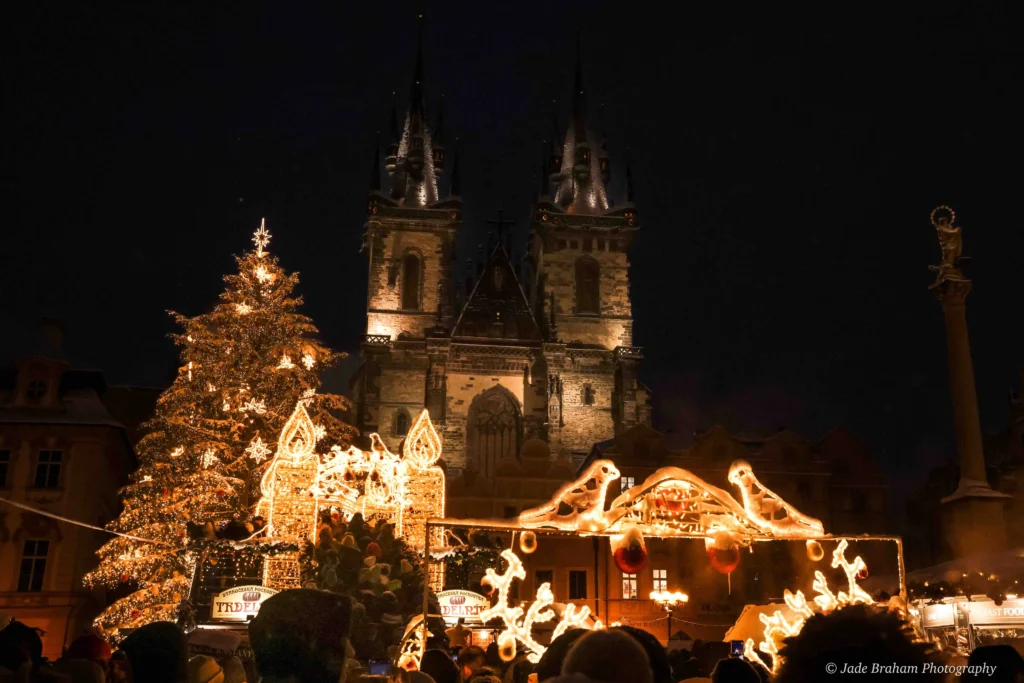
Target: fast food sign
{"points": [[460, 604], [240, 603]]}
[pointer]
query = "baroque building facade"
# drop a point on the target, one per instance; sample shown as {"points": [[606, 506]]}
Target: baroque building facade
{"points": [[507, 352]]}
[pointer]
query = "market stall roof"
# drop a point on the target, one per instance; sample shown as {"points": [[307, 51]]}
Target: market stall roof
{"points": [[1003, 562], [748, 624]]}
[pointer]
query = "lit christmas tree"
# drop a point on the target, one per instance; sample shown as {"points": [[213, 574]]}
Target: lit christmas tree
{"points": [[245, 365]]}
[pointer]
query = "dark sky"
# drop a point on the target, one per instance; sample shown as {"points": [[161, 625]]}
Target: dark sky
{"points": [[785, 162]]}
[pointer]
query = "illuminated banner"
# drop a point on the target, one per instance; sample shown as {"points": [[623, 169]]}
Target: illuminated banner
{"points": [[1010, 612], [934, 616], [239, 604], [459, 604]]}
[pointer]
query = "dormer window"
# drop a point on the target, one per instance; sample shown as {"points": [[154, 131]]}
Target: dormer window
{"points": [[36, 390]]}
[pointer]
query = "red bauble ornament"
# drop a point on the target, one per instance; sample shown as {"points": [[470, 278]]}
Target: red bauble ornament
{"points": [[166, 492], [724, 561], [724, 553], [136, 614], [221, 493], [629, 552], [124, 578], [862, 574]]}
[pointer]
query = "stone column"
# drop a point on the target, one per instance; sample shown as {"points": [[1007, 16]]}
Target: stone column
{"points": [[973, 515]]}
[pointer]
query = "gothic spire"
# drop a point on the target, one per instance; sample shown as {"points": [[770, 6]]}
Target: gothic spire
{"points": [[579, 101], [456, 186], [629, 178]]}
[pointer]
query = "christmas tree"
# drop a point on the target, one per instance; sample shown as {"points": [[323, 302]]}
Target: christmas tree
{"points": [[244, 366]]}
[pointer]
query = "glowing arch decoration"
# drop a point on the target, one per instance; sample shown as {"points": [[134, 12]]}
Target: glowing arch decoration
{"points": [[673, 502]]}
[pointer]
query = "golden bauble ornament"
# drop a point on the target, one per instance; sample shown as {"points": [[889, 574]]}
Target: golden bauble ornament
{"points": [[528, 542]]}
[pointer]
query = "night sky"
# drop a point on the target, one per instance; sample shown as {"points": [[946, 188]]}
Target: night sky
{"points": [[785, 164]]}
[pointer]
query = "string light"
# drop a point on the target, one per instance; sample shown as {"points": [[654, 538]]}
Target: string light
{"points": [[519, 624], [263, 275], [243, 309], [261, 237], [190, 371], [778, 627], [672, 502], [257, 406], [258, 450], [177, 452]]}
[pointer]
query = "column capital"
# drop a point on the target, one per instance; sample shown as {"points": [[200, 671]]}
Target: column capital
{"points": [[952, 292]]}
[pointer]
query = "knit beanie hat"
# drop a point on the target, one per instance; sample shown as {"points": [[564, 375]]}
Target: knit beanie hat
{"points": [[204, 669]]}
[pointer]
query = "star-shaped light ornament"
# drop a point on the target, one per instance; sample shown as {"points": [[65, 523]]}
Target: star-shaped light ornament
{"points": [[264, 275], [308, 361], [319, 431], [286, 363], [261, 238], [210, 458], [258, 450], [177, 451], [307, 396], [255, 405], [243, 309]]}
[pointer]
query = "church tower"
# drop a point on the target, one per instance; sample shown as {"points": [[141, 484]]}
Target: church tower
{"points": [[410, 241], [579, 249]]}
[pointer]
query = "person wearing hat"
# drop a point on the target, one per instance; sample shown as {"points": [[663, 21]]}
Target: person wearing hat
{"points": [[204, 669], [299, 636], [157, 652]]}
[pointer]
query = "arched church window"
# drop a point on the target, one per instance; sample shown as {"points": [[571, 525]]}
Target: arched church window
{"points": [[588, 288], [494, 430], [401, 423], [411, 282]]}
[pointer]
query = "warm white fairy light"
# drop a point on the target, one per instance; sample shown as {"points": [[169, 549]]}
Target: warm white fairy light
{"points": [[319, 431], [261, 237], [778, 627], [308, 361], [286, 363], [258, 450], [243, 309], [519, 624], [210, 458], [255, 405], [264, 275], [147, 478], [210, 387], [226, 407], [177, 452], [190, 371]]}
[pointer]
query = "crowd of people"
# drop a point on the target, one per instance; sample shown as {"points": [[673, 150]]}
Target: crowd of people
{"points": [[304, 636]]}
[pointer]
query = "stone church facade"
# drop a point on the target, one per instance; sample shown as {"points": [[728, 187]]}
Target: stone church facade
{"points": [[504, 354]]}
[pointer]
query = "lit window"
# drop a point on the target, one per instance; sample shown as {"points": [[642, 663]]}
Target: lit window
{"points": [[543, 576], [36, 390], [33, 566], [629, 591], [5, 464], [577, 585], [48, 469], [661, 579], [626, 483]]}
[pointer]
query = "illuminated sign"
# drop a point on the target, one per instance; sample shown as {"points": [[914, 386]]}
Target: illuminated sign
{"points": [[1010, 612], [239, 604], [935, 616], [459, 604]]}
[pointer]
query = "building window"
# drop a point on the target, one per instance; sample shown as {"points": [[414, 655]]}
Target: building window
{"points": [[578, 585], [511, 511], [33, 566], [803, 490], [561, 244], [588, 244], [600, 245], [401, 423], [859, 502], [661, 580], [542, 576], [493, 431], [626, 483], [588, 287], [48, 469], [5, 466], [629, 587], [36, 390], [573, 244], [411, 282], [588, 395]]}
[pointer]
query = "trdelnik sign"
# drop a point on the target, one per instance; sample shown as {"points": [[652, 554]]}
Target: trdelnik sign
{"points": [[240, 603], [460, 604]]}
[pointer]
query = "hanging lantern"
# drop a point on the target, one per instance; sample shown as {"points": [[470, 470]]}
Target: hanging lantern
{"points": [[724, 552], [629, 551], [814, 551], [528, 542]]}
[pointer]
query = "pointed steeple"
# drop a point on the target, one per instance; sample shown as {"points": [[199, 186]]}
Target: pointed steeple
{"points": [[375, 171], [394, 139], [580, 176], [437, 141], [629, 178]]}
